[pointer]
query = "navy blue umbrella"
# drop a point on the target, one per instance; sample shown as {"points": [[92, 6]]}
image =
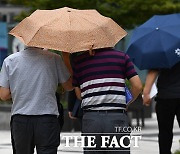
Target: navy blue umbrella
{"points": [[156, 43]]}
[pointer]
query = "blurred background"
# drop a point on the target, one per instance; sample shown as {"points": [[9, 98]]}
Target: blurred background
{"points": [[127, 13]]}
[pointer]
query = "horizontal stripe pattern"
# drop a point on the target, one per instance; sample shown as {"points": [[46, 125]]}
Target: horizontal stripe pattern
{"points": [[106, 84], [105, 93], [106, 88], [104, 80], [104, 99], [101, 78], [95, 73], [99, 64], [102, 69]]}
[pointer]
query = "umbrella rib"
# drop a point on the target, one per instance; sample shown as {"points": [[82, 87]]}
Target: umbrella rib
{"points": [[93, 23], [43, 26], [164, 53], [34, 36], [69, 26], [145, 32], [164, 49], [37, 32], [75, 29], [170, 33]]}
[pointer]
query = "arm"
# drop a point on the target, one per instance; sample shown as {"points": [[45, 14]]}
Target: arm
{"points": [[70, 116], [64, 76], [150, 79], [68, 85], [131, 75], [5, 93], [136, 87], [78, 93], [66, 59], [71, 101]]}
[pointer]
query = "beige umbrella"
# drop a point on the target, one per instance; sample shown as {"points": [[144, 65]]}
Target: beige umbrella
{"points": [[68, 30]]}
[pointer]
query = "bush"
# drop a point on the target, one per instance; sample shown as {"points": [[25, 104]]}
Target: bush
{"points": [[177, 152]]}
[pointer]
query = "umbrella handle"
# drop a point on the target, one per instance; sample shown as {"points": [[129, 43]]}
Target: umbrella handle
{"points": [[91, 51]]}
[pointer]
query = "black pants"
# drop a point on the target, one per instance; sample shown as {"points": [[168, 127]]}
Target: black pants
{"points": [[28, 132], [166, 110]]}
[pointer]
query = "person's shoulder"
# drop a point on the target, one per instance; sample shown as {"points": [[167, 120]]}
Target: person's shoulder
{"points": [[51, 54], [77, 57], [12, 56], [117, 52]]}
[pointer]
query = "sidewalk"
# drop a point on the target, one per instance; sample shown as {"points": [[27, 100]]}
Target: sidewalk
{"points": [[148, 143]]}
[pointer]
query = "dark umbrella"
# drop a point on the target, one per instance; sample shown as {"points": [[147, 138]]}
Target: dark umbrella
{"points": [[156, 43]]}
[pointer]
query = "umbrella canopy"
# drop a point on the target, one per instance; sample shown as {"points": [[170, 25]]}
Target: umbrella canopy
{"points": [[156, 43], [68, 30]]}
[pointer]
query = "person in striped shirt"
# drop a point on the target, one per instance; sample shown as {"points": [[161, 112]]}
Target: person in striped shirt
{"points": [[99, 80]]}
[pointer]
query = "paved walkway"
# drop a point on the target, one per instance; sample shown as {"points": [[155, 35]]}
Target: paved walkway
{"points": [[148, 143]]}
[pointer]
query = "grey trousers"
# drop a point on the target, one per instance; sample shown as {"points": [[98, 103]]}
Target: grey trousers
{"points": [[100, 124]]}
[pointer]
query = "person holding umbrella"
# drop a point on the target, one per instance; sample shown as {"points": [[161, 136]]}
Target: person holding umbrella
{"points": [[99, 80], [154, 46], [74, 104], [71, 30], [99, 73], [168, 102], [30, 77]]}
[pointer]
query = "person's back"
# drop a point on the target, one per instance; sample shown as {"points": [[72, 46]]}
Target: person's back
{"points": [[167, 102], [31, 77], [102, 79], [99, 79], [34, 78], [168, 82]]}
